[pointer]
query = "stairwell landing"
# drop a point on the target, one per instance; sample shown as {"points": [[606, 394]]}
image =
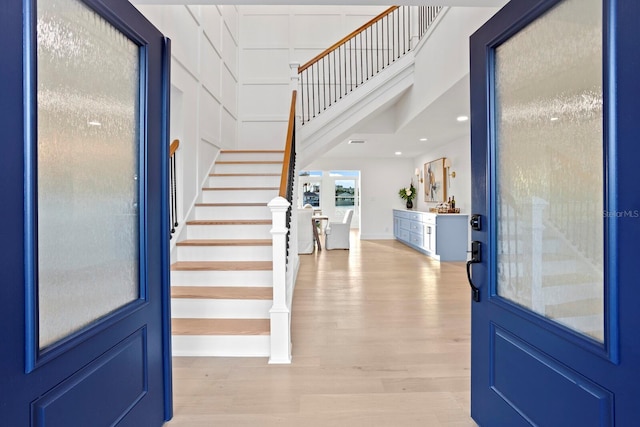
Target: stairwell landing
{"points": [[222, 282]]}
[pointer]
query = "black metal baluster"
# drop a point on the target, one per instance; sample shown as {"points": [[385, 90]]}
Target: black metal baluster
{"points": [[388, 50], [355, 60], [361, 61], [171, 196], [302, 94], [336, 73], [382, 40], [329, 69], [377, 50], [319, 85], [409, 26], [313, 93], [350, 68], [324, 86], [343, 66], [175, 195], [366, 53], [394, 29]]}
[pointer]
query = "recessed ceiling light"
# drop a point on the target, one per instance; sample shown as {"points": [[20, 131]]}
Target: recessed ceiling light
{"points": [[555, 119], [398, 153], [94, 123], [423, 139], [462, 118]]}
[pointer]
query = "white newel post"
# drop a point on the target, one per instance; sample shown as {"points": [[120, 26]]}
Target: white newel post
{"points": [[294, 84], [537, 228], [295, 77], [280, 312]]}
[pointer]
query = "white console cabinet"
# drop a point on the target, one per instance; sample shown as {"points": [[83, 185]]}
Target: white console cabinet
{"points": [[441, 236]]}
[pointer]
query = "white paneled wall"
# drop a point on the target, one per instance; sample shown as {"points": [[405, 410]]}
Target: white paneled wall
{"points": [[204, 87], [272, 37]]}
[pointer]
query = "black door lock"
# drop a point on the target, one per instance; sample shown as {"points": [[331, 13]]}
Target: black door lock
{"points": [[476, 257], [476, 222]]}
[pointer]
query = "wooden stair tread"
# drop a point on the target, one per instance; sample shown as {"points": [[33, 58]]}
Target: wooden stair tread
{"points": [[229, 222], [239, 204], [220, 326], [244, 174], [222, 292], [225, 242], [222, 266], [239, 188]]}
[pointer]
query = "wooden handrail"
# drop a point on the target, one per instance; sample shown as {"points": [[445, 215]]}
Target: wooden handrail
{"points": [[284, 179], [173, 147], [345, 39]]}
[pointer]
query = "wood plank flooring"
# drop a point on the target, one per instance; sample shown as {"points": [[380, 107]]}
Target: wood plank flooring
{"points": [[381, 337]]}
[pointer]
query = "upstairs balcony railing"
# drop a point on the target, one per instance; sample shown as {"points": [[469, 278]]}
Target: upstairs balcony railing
{"points": [[359, 56]]}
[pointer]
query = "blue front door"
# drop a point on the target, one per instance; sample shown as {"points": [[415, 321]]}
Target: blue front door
{"points": [[83, 294], [555, 105]]}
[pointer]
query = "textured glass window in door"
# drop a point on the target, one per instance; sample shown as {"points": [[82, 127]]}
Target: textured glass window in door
{"points": [[88, 161], [549, 168]]}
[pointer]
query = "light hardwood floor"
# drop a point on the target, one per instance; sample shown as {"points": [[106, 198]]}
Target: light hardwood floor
{"points": [[381, 337]]}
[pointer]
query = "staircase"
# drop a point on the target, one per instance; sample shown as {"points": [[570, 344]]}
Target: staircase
{"points": [[548, 274], [222, 281]]}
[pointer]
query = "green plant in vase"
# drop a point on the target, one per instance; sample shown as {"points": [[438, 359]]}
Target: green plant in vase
{"points": [[408, 194]]}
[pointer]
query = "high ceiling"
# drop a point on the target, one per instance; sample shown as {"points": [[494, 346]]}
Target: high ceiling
{"points": [[382, 138], [437, 123]]}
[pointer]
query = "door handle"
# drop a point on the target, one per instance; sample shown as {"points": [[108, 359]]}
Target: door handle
{"points": [[476, 258]]}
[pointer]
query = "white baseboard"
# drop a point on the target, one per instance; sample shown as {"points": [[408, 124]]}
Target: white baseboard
{"points": [[382, 236]]}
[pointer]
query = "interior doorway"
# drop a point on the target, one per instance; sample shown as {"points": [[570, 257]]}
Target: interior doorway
{"points": [[331, 193]]}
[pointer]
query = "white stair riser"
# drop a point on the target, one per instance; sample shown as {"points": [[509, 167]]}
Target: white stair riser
{"points": [[238, 196], [222, 278], [232, 212], [220, 309], [229, 231], [225, 253], [244, 181], [248, 168], [244, 156], [221, 346]]}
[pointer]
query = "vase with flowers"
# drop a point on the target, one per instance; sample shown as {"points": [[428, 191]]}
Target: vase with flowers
{"points": [[408, 194]]}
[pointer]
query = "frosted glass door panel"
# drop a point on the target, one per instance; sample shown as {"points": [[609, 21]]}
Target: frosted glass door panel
{"points": [[88, 144], [549, 150]]}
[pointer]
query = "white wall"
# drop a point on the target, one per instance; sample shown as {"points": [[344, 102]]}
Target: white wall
{"points": [[442, 60], [380, 181], [272, 37], [459, 154], [204, 87]]}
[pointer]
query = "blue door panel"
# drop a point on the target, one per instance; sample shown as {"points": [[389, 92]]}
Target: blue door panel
{"points": [[524, 370], [520, 371], [117, 371], [109, 386]]}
